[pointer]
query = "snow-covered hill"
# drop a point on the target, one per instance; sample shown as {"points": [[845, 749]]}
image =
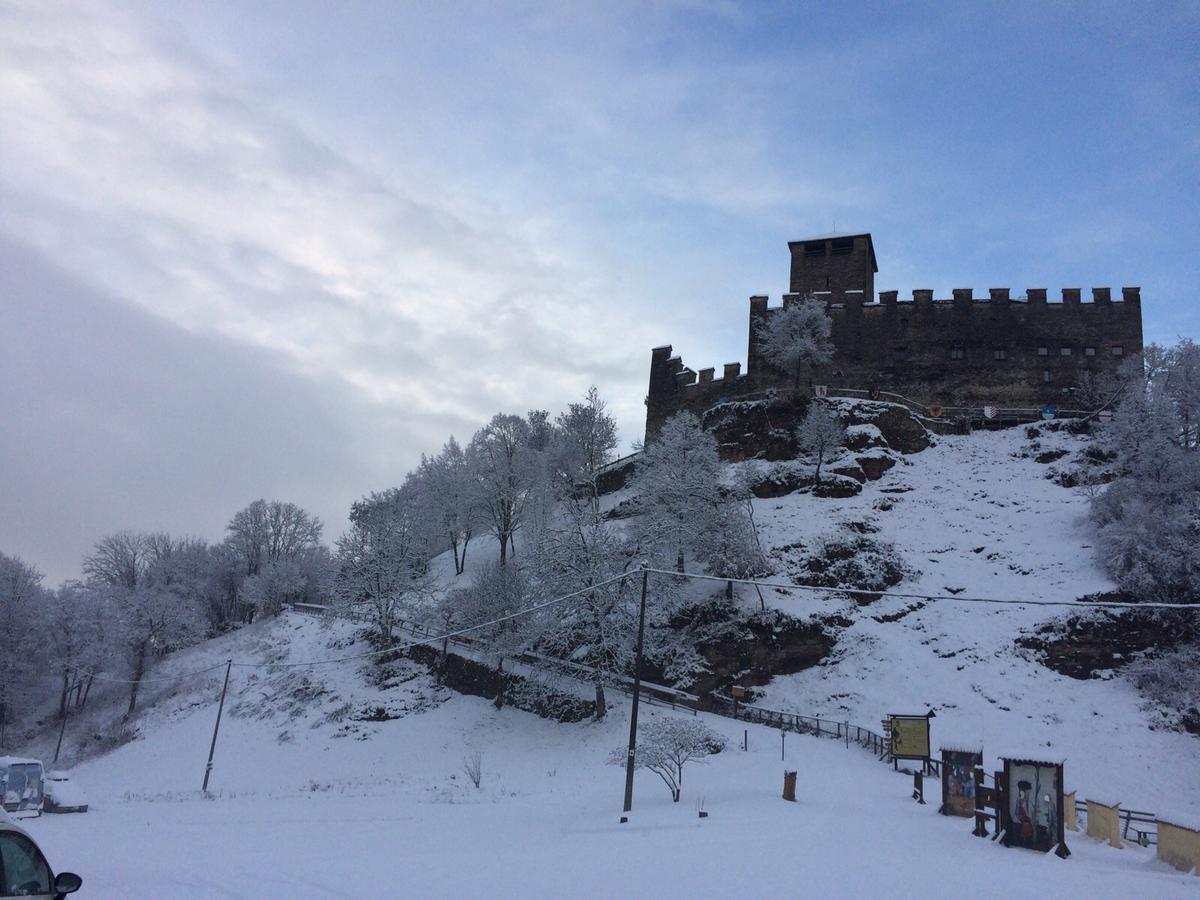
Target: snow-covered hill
{"points": [[976, 516], [312, 801]]}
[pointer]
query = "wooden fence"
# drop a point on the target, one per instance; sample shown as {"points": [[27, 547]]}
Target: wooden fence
{"points": [[801, 724]]}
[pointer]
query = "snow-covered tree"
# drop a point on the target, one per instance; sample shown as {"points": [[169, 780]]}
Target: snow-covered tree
{"points": [[1148, 520], [796, 337], [579, 551], [587, 439], [496, 592], [449, 498], [22, 616], [79, 636], [500, 460], [152, 614], [677, 486], [820, 434], [684, 507], [383, 560], [274, 544], [122, 559], [1182, 387], [666, 745]]}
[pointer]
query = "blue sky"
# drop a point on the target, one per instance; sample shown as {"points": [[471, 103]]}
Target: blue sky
{"points": [[273, 250]]}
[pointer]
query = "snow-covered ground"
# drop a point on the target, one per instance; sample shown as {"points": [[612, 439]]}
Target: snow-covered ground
{"points": [[306, 806], [330, 785]]}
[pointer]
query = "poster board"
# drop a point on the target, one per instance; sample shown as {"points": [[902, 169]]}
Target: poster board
{"points": [[910, 737]]}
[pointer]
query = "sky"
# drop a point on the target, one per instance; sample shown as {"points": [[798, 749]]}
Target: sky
{"points": [[280, 249]]}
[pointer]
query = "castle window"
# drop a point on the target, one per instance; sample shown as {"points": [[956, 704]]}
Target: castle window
{"points": [[1089, 351], [958, 353], [842, 246], [999, 353], [1043, 351], [1045, 376], [1064, 351], [1118, 350], [899, 354], [814, 248]]}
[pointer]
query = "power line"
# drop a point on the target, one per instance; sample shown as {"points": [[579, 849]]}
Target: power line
{"points": [[441, 637], [395, 648], [780, 585], [1075, 604], [106, 678]]}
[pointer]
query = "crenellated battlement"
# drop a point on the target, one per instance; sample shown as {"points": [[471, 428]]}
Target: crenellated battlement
{"points": [[674, 386], [1100, 296], [995, 347]]}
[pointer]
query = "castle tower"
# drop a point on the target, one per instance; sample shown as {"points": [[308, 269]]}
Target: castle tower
{"points": [[833, 265]]}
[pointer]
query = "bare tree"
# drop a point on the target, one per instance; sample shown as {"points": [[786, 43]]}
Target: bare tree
{"points": [[796, 336], [820, 434]]}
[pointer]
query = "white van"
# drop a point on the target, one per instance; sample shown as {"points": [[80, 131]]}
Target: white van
{"points": [[21, 786]]}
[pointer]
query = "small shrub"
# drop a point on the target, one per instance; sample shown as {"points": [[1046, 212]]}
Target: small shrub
{"points": [[472, 765]]}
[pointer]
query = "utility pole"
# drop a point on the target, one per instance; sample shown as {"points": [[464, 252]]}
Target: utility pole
{"points": [[62, 728], [216, 727], [637, 694]]}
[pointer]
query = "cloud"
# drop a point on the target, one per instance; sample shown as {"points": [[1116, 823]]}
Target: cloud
{"points": [[146, 171]]}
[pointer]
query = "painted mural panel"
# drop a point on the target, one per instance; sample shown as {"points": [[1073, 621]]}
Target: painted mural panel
{"points": [[959, 782], [1033, 806]]}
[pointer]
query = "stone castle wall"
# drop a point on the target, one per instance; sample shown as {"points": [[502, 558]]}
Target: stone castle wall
{"points": [[999, 349]]}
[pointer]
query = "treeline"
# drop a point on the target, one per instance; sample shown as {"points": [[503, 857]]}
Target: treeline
{"points": [[529, 483], [145, 594]]}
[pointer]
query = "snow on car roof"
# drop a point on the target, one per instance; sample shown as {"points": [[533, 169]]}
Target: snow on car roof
{"points": [[18, 761]]}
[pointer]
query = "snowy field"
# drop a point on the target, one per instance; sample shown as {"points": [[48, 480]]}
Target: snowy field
{"points": [[396, 816], [311, 802]]}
